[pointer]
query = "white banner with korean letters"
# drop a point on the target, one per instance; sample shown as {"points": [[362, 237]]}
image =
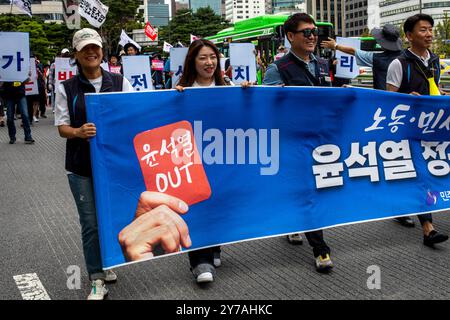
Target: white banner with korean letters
{"points": [[137, 70], [31, 87], [93, 11], [14, 56], [63, 70], [243, 62], [177, 57], [346, 63]]}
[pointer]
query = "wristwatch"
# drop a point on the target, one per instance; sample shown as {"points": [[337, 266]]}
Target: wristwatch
{"points": [[335, 46]]}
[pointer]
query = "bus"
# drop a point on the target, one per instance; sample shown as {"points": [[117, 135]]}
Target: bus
{"points": [[267, 33], [369, 44]]}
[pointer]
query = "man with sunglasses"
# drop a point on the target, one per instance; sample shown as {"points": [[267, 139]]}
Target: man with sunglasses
{"points": [[300, 67]]}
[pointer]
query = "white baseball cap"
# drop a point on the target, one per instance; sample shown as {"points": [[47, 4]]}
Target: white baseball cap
{"points": [[86, 36], [65, 50]]}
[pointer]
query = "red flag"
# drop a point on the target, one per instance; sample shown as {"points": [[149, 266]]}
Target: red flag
{"points": [[150, 32]]}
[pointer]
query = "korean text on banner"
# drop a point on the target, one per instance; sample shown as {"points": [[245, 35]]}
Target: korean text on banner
{"points": [[243, 62], [93, 11], [177, 57], [271, 160], [137, 70], [346, 63], [15, 56], [31, 87], [63, 70]]}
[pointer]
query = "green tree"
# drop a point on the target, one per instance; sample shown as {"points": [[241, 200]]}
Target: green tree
{"points": [[442, 37], [121, 15], [202, 23], [39, 43]]}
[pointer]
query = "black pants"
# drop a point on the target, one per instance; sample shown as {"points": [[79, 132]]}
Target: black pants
{"points": [[202, 256], [42, 103], [427, 217], [316, 241]]}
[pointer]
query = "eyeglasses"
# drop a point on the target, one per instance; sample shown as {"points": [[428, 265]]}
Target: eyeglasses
{"points": [[308, 32]]}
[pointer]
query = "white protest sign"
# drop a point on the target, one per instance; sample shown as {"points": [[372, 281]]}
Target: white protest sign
{"points": [[31, 87], [105, 66], [15, 56], [63, 70], [177, 57], [93, 11], [346, 63], [137, 70], [243, 62]]}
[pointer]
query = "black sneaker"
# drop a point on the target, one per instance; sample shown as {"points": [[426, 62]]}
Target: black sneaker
{"points": [[405, 221], [2, 123], [12, 140], [43, 116], [29, 141], [433, 238]]}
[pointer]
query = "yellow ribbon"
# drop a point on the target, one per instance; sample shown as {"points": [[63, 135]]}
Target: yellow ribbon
{"points": [[434, 90]]}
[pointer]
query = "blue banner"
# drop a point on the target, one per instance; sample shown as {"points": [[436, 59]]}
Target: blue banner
{"points": [[274, 160]]}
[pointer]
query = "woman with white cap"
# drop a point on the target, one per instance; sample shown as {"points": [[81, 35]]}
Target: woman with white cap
{"points": [[70, 118]]}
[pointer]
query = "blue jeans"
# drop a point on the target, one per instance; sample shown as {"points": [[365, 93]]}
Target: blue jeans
{"points": [[83, 192], [10, 105]]}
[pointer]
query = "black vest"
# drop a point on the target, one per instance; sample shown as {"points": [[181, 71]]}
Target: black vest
{"points": [[78, 156], [415, 74], [381, 62], [294, 72]]}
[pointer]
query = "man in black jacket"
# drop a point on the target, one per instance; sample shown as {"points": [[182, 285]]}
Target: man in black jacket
{"points": [[300, 67], [416, 71]]}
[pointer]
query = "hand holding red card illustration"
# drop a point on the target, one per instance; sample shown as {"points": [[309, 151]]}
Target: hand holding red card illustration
{"points": [[175, 178]]}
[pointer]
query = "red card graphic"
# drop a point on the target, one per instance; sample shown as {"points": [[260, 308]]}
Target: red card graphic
{"points": [[171, 164]]}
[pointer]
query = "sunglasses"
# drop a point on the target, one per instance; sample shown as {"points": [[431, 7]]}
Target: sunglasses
{"points": [[308, 32]]}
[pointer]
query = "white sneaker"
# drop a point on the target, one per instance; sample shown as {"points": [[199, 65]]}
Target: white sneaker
{"points": [[205, 277], [35, 119], [98, 290], [204, 272], [110, 276], [217, 261], [295, 238]]}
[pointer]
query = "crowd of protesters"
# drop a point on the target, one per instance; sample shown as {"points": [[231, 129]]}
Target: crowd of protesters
{"points": [[299, 66]]}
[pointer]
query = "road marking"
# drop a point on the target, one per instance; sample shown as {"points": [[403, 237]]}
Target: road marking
{"points": [[31, 287]]}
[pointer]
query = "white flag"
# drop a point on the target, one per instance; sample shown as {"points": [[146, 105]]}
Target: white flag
{"points": [[23, 5], [124, 39], [93, 11], [167, 46], [193, 38]]}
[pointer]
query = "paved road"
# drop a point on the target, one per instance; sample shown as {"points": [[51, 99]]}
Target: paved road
{"points": [[40, 235]]}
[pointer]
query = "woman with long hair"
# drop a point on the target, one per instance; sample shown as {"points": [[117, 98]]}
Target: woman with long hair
{"points": [[202, 69]]}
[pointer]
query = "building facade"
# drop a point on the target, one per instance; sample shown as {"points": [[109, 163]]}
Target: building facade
{"points": [[216, 5], [356, 18], [396, 11], [49, 11], [158, 12], [288, 6], [237, 10], [329, 11]]}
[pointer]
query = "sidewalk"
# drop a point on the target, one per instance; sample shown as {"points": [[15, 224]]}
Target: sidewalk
{"points": [[40, 234]]}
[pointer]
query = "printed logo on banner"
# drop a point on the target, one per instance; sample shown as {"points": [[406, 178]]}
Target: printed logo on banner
{"points": [[432, 197], [167, 158]]}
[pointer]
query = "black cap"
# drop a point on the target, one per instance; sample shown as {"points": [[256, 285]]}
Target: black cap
{"points": [[388, 37]]}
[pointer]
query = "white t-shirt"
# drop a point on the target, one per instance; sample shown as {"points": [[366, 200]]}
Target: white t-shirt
{"points": [[62, 115], [196, 84], [395, 71]]}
